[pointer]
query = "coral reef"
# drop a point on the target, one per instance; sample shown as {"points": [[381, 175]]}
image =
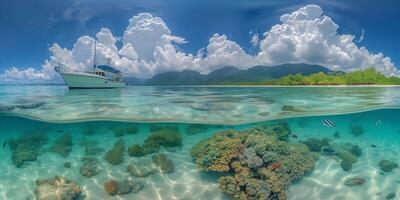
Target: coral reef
{"points": [[162, 137], [115, 155], [161, 161], [57, 188], [27, 148], [357, 181], [356, 130], [91, 147], [387, 165], [63, 145], [141, 169], [194, 129], [115, 187], [256, 163], [136, 150], [89, 167]]}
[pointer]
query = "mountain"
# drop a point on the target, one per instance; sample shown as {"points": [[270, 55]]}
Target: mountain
{"points": [[230, 75]]}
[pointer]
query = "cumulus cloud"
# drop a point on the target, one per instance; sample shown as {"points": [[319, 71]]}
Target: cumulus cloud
{"points": [[308, 36], [149, 47]]}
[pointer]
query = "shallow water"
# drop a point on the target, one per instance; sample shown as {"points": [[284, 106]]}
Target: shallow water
{"points": [[95, 116], [216, 105], [325, 181]]}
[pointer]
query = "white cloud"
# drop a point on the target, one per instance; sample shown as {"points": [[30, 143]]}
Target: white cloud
{"points": [[255, 39], [308, 36], [149, 47]]}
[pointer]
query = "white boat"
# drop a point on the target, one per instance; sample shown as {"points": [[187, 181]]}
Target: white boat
{"points": [[102, 76]]}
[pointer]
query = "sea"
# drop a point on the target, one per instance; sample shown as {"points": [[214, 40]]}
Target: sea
{"points": [[35, 119]]}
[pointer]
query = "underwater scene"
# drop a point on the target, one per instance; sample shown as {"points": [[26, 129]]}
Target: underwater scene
{"points": [[294, 143]]}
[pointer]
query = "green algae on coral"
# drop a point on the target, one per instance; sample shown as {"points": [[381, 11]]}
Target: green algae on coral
{"points": [[27, 148], [115, 155], [257, 163]]}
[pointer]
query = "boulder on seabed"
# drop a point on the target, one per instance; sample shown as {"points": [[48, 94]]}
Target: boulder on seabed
{"points": [[387, 165], [141, 169], [120, 187], [115, 155], [166, 165], [57, 188], [89, 167], [357, 181]]}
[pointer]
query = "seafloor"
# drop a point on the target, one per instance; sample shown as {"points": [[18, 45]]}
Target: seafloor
{"points": [[63, 148]]}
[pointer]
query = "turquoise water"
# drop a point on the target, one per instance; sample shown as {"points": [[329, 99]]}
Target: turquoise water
{"points": [[39, 110]]}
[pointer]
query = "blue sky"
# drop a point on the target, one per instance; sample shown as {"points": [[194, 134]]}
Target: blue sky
{"points": [[29, 28]]}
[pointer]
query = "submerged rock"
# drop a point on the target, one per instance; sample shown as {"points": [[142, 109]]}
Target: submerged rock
{"points": [[356, 130], [161, 161], [114, 187], [162, 137], [57, 188], [67, 165], [115, 155], [89, 167], [27, 148], [121, 131], [391, 195], [348, 159], [141, 169], [315, 144], [136, 150], [387, 166], [194, 129], [357, 181], [63, 145], [228, 152]]}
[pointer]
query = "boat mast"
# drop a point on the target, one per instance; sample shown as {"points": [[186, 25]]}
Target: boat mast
{"points": [[94, 55]]}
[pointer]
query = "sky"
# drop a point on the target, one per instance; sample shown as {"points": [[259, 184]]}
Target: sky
{"points": [[146, 37]]}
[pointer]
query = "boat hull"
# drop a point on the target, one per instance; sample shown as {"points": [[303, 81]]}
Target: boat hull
{"points": [[89, 81]]}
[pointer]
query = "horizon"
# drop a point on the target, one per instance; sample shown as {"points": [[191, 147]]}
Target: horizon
{"points": [[156, 41]]}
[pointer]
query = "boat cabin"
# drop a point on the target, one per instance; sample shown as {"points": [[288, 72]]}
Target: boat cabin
{"points": [[108, 72]]}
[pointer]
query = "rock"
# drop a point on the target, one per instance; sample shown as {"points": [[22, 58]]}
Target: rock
{"points": [[288, 108], [348, 159], [63, 145], [315, 144], [162, 137], [114, 187], [57, 188], [329, 151], [336, 135], [121, 131], [136, 150], [356, 130], [67, 165], [354, 181], [387, 166], [356, 150], [194, 129], [27, 148], [264, 114], [89, 167], [161, 161], [115, 155], [141, 169], [391, 195]]}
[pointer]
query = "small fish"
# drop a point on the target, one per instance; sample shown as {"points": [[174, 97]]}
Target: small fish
{"points": [[373, 146], [4, 144], [294, 136], [328, 123], [378, 122]]}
